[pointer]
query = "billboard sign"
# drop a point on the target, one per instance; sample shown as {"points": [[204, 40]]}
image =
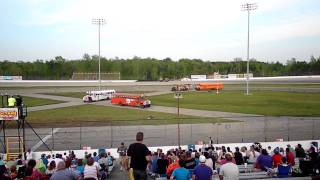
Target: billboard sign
{"points": [[198, 76], [9, 114]]}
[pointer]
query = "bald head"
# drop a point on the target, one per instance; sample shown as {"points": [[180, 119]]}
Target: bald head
{"points": [[61, 165]]}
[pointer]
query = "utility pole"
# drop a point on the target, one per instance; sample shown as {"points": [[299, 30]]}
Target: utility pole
{"points": [[248, 7], [99, 22]]}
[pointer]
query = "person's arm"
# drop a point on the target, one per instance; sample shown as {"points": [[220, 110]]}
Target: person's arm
{"points": [[172, 177], [221, 173], [194, 177]]}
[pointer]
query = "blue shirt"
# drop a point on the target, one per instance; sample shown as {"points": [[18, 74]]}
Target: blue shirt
{"points": [[203, 172], [181, 174], [155, 165], [80, 169], [283, 171], [265, 161]]}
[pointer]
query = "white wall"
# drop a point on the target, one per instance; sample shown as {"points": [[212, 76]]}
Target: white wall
{"points": [[80, 153]]}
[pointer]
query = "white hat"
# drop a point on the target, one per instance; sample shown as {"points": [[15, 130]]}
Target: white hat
{"points": [[202, 159]]}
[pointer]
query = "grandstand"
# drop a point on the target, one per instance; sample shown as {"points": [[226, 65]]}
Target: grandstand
{"points": [[247, 169]]}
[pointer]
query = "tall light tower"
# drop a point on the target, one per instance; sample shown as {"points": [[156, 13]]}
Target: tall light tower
{"points": [[248, 7], [99, 22]]}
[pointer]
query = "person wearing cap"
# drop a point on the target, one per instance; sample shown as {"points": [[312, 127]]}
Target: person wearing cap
{"points": [[202, 171], [63, 173], [229, 170]]}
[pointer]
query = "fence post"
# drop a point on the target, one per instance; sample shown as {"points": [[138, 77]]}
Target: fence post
{"points": [[218, 133], [111, 131], [242, 123], [80, 136], [313, 125], [265, 128], [191, 142], [288, 124], [52, 139]]}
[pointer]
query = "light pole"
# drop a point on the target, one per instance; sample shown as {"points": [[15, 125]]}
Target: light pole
{"points": [[178, 96], [248, 7], [99, 22]]}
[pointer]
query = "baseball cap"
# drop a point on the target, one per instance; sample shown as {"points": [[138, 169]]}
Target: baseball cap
{"points": [[202, 159]]}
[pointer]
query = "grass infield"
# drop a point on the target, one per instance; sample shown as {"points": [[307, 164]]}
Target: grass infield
{"points": [[91, 115], [30, 101], [259, 102]]}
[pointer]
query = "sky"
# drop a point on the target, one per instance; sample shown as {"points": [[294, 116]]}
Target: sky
{"points": [[213, 30]]}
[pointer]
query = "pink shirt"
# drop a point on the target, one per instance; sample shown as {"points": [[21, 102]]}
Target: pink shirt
{"points": [[224, 161]]}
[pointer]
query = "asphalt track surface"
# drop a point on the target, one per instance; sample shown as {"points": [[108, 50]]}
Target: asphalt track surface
{"points": [[250, 128]]}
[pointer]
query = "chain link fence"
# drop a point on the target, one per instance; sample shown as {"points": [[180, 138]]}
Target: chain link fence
{"points": [[111, 134]]}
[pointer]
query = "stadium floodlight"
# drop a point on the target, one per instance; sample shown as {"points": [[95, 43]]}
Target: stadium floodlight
{"points": [[248, 7], [99, 22]]}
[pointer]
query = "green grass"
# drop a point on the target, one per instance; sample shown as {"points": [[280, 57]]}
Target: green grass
{"points": [[30, 101], [97, 115], [260, 102]]}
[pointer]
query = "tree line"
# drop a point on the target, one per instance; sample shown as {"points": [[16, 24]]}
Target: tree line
{"points": [[152, 69]]}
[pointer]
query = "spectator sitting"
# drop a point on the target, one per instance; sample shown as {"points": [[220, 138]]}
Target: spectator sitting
{"points": [[253, 155], [284, 169], [172, 167], [269, 150], [95, 157], [41, 166], [290, 157], [80, 167], [300, 153], [190, 162], [90, 170], [277, 158], [181, 173], [264, 161], [154, 161], [13, 172], [63, 173], [44, 160], [213, 156], [229, 170], [162, 165], [238, 157], [104, 160], [35, 174], [202, 171], [3, 173], [51, 168]]}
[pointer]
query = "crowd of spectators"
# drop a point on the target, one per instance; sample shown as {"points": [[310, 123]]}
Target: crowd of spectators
{"points": [[58, 167], [206, 162], [180, 164]]}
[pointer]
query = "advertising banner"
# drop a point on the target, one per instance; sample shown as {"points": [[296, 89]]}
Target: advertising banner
{"points": [[9, 114]]}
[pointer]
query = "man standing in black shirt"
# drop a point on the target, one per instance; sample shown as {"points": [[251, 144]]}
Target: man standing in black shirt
{"points": [[139, 157]]}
